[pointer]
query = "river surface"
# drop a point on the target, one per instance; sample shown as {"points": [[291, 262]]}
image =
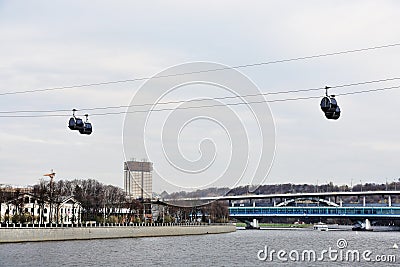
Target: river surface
{"points": [[242, 248]]}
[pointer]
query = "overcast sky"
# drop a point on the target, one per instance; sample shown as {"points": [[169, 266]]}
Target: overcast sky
{"points": [[45, 44]]}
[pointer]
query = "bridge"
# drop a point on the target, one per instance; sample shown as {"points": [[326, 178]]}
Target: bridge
{"points": [[252, 207], [331, 212]]}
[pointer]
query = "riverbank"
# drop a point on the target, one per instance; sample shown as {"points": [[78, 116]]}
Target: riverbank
{"points": [[13, 235]]}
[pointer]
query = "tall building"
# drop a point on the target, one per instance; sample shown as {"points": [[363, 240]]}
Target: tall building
{"points": [[138, 179]]}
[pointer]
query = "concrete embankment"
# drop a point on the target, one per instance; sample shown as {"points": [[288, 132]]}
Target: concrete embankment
{"points": [[11, 235]]}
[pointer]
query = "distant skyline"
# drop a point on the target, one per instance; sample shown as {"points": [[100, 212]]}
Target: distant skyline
{"points": [[47, 44]]}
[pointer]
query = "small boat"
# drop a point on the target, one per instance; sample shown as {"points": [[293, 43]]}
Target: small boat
{"points": [[320, 226]]}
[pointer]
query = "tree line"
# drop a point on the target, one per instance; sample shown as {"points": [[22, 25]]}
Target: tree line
{"points": [[102, 203], [286, 188], [99, 202]]}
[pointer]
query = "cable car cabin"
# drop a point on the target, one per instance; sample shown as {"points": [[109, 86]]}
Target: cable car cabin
{"points": [[71, 123], [87, 128], [75, 123], [78, 124], [330, 107], [333, 115]]}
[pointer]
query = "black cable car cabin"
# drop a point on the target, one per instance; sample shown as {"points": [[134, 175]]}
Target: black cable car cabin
{"points": [[78, 124], [333, 115], [87, 128], [330, 107], [75, 123]]}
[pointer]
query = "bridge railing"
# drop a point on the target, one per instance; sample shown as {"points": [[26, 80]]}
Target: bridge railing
{"points": [[94, 225]]}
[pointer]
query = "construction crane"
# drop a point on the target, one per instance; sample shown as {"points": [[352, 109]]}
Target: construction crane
{"points": [[51, 175]]}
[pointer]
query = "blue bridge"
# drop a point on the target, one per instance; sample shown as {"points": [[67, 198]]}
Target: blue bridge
{"points": [[317, 206], [251, 208]]}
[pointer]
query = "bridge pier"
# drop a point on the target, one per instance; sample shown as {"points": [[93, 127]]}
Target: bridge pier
{"points": [[255, 223]]}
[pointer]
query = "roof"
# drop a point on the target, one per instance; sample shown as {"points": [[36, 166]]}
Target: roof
{"points": [[138, 166], [66, 199]]}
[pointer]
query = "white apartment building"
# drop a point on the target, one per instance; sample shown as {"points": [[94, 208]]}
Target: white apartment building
{"points": [[66, 211]]}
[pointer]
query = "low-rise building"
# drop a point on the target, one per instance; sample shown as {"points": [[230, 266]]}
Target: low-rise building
{"points": [[29, 208], [69, 211]]}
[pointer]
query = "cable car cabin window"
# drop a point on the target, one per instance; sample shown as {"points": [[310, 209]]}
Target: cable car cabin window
{"points": [[79, 122], [71, 123], [333, 102], [336, 114], [325, 104]]}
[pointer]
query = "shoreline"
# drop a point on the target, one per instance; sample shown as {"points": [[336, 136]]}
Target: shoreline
{"points": [[18, 235]]}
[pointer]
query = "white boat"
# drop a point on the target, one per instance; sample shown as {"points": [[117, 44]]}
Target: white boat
{"points": [[320, 226]]}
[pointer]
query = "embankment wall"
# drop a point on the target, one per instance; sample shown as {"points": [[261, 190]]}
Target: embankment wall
{"points": [[10, 235]]}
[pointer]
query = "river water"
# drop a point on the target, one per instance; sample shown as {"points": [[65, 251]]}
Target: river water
{"points": [[242, 248]]}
